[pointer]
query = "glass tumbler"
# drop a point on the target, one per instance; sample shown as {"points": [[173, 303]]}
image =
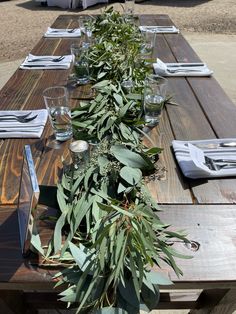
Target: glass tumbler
{"points": [[154, 98], [57, 104], [148, 44], [129, 7], [81, 64]]}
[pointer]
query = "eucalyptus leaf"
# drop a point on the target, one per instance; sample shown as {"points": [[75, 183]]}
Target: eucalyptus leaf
{"points": [[128, 158], [131, 175]]}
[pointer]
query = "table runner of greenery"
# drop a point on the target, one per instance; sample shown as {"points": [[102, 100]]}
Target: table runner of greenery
{"points": [[112, 236]]}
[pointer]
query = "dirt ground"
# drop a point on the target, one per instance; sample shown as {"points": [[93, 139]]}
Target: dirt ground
{"points": [[23, 22]]}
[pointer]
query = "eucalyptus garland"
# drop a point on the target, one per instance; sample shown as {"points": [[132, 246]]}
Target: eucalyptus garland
{"points": [[108, 235]]}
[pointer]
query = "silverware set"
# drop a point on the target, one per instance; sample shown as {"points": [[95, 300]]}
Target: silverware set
{"points": [[67, 31], [47, 59], [218, 164], [182, 70], [20, 118]]}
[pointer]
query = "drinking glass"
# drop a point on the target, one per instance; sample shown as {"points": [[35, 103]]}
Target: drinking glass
{"points": [[147, 45], [86, 27], [75, 50], [57, 104], [129, 7], [81, 64], [154, 97]]}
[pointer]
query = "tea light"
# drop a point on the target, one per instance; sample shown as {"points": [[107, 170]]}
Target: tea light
{"points": [[80, 153]]}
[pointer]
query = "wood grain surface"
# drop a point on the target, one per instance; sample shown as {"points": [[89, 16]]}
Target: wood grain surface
{"points": [[205, 208]]}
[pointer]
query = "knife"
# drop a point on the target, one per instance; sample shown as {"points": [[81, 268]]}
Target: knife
{"points": [[181, 65], [214, 145]]}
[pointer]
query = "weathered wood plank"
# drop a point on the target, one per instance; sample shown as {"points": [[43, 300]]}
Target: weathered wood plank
{"points": [[213, 230], [171, 188]]}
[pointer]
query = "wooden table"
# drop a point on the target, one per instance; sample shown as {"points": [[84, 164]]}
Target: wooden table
{"points": [[204, 208]]}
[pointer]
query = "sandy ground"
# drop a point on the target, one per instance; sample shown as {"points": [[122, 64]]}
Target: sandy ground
{"points": [[23, 22]]}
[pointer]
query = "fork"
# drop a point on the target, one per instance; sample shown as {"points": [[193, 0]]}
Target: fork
{"points": [[48, 59], [213, 164], [19, 119]]}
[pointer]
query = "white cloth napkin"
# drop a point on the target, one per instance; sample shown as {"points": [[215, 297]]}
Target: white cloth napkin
{"points": [[43, 64], [62, 32], [15, 129], [190, 156], [159, 29], [182, 69]]}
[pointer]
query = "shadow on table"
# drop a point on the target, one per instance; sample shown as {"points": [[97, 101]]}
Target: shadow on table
{"points": [[174, 3], [11, 258]]}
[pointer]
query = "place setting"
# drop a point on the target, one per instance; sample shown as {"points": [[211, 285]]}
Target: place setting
{"points": [[22, 123], [206, 158], [162, 29], [181, 68], [62, 62], [62, 32]]}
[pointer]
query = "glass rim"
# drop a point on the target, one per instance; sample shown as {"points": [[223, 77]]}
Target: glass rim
{"points": [[155, 77], [55, 88]]}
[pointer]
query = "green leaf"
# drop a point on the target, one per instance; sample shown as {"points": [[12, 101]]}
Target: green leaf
{"points": [[150, 297], [36, 242], [102, 74], [131, 175], [81, 255], [157, 278], [128, 158], [119, 99], [134, 96], [101, 84]]}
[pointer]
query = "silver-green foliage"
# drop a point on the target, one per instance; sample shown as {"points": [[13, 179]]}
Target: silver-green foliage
{"points": [[108, 235]]}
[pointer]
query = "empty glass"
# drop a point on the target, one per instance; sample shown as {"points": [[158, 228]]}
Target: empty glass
{"points": [[154, 98], [57, 104], [147, 45]]}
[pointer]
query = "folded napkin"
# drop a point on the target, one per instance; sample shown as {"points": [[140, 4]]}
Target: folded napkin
{"points": [[190, 156], [46, 62], [181, 69], [16, 129], [61, 32], [159, 29]]}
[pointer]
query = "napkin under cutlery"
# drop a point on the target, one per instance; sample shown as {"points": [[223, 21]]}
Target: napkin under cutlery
{"points": [[33, 62], [62, 32], [159, 29], [15, 129], [181, 69], [190, 156]]}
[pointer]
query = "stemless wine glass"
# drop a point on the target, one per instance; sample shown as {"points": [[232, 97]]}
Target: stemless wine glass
{"points": [[81, 65], [57, 104], [154, 98], [86, 27], [129, 7], [148, 44]]}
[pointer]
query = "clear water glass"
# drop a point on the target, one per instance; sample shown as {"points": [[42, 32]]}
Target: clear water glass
{"points": [[154, 98], [81, 65], [57, 103], [129, 7], [148, 44], [86, 27]]}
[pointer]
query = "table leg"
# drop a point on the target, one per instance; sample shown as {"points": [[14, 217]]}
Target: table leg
{"points": [[208, 299], [13, 302]]}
